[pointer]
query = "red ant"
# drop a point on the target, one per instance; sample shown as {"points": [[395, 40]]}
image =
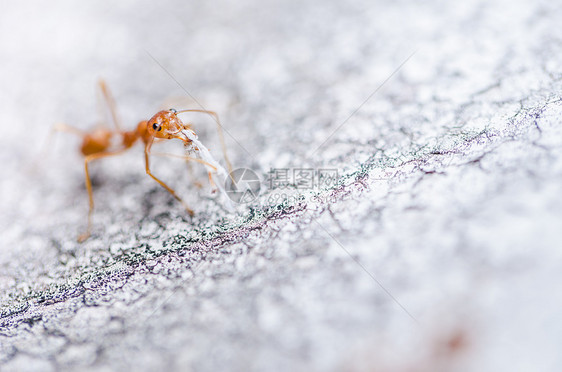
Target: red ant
{"points": [[164, 125]]}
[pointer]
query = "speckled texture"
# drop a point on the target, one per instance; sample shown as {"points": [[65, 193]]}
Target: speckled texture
{"points": [[437, 249]]}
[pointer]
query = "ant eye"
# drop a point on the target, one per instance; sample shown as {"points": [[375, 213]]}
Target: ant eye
{"points": [[157, 127]]}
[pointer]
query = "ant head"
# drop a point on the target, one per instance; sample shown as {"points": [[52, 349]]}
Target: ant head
{"points": [[165, 124]]}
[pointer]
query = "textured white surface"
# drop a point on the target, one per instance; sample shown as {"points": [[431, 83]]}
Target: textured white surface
{"points": [[444, 228]]}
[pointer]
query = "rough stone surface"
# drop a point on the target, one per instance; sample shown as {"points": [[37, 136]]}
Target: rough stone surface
{"points": [[439, 247]]}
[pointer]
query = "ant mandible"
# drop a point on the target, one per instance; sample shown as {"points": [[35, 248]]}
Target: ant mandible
{"points": [[164, 125]]}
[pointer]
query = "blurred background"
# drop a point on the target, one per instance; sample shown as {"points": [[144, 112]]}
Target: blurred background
{"points": [[438, 250]]}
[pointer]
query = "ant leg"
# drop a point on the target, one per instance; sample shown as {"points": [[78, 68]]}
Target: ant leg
{"points": [[168, 188], [187, 158], [59, 127], [213, 186], [110, 103], [62, 127], [86, 235], [220, 132], [87, 160]]}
